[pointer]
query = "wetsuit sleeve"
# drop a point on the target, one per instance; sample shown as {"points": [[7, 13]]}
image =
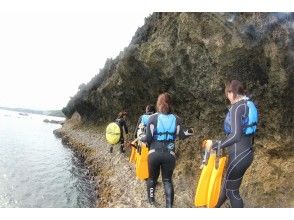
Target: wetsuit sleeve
{"points": [[136, 129], [148, 138], [180, 130], [236, 126], [124, 125]]}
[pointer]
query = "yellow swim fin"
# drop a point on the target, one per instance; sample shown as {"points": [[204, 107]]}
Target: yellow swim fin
{"points": [[133, 151], [215, 182], [133, 155], [202, 187], [142, 172], [137, 155], [203, 183]]}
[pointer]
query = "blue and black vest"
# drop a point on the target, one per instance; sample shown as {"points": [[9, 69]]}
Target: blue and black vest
{"points": [[249, 122], [166, 128]]}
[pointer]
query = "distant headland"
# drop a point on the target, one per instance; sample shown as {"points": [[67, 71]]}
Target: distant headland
{"points": [[56, 113]]}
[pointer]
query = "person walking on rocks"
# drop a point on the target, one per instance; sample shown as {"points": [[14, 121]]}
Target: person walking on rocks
{"points": [[240, 126], [121, 121], [143, 120], [162, 129]]}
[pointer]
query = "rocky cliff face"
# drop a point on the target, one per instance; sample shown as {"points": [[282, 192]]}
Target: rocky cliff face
{"points": [[191, 56]]}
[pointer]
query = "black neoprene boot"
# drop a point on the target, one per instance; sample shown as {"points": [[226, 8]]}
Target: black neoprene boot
{"points": [[151, 191], [122, 148], [169, 193]]}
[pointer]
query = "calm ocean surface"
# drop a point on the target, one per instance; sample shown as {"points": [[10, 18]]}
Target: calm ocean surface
{"points": [[36, 170]]}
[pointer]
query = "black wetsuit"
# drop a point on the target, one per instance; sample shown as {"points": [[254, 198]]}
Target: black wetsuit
{"points": [[162, 158], [123, 126], [239, 149]]}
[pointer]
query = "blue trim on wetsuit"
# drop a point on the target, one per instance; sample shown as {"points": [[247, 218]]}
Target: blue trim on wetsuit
{"points": [[239, 149]]}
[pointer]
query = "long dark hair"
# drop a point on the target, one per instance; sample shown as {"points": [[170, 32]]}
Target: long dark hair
{"points": [[164, 103]]}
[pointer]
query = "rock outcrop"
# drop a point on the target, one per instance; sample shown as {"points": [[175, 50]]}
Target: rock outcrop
{"points": [[191, 56]]}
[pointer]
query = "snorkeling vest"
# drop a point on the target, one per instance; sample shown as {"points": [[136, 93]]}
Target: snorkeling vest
{"points": [[144, 119], [166, 128], [113, 133], [249, 123], [143, 124]]}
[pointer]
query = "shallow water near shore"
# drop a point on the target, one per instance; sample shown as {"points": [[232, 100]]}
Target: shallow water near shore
{"points": [[36, 170]]}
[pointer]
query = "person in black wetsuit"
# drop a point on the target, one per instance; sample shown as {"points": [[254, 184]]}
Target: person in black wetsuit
{"points": [[162, 129], [143, 120], [121, 121], [237, 143]]}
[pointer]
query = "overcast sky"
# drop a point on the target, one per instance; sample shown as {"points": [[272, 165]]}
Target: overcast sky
{"points": [[48, 48], [45, 57]]}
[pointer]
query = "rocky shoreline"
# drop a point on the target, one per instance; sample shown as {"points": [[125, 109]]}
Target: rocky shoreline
{"points": [[116, 184], [114, 176], [267, 183]]}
